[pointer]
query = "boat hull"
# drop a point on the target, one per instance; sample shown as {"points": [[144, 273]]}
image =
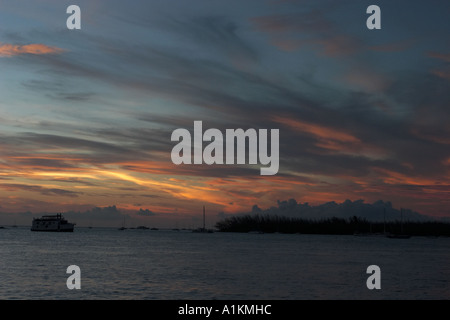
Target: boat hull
{"points": [[61, 230]]}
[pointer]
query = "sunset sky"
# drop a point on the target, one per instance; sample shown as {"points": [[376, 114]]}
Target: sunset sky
{"points": [[86, 115]]}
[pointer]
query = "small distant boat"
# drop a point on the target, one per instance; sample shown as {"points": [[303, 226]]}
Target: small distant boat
{"points": [[123, 225], [203, 230], [142, 228], [402, 235], [52, 223], [374, 234]]}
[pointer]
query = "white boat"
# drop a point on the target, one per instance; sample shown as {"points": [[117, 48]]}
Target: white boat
{"points": [[52, 223]]}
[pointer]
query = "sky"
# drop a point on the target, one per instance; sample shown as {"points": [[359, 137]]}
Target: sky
{"points": [[86, 116]]}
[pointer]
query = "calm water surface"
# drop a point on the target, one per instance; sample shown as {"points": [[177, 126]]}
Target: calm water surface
{"points": [[166, 264]]}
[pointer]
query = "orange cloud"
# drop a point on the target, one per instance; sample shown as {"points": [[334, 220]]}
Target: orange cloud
{"points": [[441, 74], [338, 45], [9, 50], [367, 80], [431, 137], [441, 56], [333, 140], [317, 130], [395, 178]]}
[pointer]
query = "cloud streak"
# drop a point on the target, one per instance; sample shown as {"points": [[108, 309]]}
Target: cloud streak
{"points": [[10, 50], [311, 29], [40, 189]]}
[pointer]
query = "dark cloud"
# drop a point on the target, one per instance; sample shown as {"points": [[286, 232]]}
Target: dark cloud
{"points": [[44, 163], [75, 181], [41, 190], [89, 150], [216, 34], [146, 213]]}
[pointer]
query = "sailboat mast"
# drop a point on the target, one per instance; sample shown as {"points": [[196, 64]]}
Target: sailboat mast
{"points": [[401, 220], [204, 225]]}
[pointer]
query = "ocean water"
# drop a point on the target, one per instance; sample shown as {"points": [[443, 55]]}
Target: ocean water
{"points": [[169, 265]]}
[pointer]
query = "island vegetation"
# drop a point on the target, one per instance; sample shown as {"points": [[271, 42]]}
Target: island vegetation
{"points": [[334, 226]]}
